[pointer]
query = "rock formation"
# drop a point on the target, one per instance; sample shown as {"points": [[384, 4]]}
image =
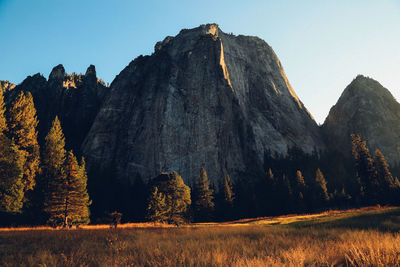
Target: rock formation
{"points": [[203, 98], [366, 108], [76, 99]]}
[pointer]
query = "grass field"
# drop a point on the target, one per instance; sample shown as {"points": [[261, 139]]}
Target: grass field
{"points": [[364, 237]]}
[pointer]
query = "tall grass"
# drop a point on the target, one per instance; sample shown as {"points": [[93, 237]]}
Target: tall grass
{"points": [[243, 245], [214, 246]]}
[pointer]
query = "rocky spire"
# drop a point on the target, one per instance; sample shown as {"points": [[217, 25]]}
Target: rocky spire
{"points": [[91, 71], [57, 73], [90, 75]]}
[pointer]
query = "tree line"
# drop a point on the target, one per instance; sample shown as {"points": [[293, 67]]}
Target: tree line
{"points": [[47, 184]]}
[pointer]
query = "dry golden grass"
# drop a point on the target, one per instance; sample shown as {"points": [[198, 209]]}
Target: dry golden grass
{"points": [[360, 237]]}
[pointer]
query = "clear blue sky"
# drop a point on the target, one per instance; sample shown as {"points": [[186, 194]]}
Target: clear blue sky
{"points": [[322, 44]]}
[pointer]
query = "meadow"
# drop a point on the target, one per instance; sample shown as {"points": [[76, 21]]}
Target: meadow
{"points": [[362, 237]]}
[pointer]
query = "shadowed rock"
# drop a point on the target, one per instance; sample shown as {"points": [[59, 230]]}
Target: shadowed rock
{"points": [[76, 100], [366, 108], [203, 98]]}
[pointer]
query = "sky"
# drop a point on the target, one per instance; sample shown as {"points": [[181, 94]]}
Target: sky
{"points": [[323, 45]]}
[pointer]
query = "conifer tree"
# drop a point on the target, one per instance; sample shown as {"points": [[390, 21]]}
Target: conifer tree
{"points": [[68, 201], [22, 123], [54, 152], [177, 195], [85, 202], [226, 198], [319, 191], [387, 186], [341, 198], [365, 169], [3, 123], [157, 208], [229, 195], [300, 191], [270, 178], [52, 161], [203, 197], [11, 173]]}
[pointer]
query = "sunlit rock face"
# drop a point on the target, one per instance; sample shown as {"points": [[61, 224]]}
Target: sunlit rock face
{"points": [[366, 108], [203, 98], [74, 98]]}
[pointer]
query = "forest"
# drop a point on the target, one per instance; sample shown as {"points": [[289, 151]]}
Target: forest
{"points": [[46, 184]]}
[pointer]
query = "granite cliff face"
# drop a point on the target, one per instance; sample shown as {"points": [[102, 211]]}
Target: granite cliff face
{"points": [[366, 108], [203, 98], [76, 99]]}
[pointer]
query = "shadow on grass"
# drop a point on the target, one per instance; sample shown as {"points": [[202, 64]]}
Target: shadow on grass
{"points": [[385, 221]]}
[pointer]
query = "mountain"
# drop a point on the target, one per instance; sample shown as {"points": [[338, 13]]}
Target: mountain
{"points": [[366, 108], [203, 98], [76, 99]]}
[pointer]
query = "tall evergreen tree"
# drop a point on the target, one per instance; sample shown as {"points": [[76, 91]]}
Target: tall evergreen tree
{"points": [[177, 195], [387, 186], [319, 190], [68, 201], [53, 158], [229, 195], [365, 169], [157, 208], [54, 153], [12, 161], [11, 173], [226, 198], [3, 123], [22, 123], [203, 197], [300, 192]]}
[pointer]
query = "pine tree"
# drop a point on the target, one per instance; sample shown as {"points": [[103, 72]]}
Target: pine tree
{"points": [[387, 186], [22, 124], [157, 208], [300, 191], [68, 201], [319, 191], [11, 173], [12, 161], [226, 198], [85, 202], [3, 123], [54, 152], [203, 197], [341, 198], [53, 158], [229, 195], [365, 169], [177, 195]]}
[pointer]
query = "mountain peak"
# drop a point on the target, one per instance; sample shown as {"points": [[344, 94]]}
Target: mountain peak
{"points": [[195, 91], [91, 71], [367, 108], [57, 73], [364, 86]]}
